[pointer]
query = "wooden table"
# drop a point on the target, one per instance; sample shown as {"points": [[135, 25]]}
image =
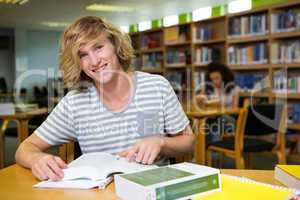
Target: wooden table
{"points": [[22, 119], [201, 116], [16, 183]]}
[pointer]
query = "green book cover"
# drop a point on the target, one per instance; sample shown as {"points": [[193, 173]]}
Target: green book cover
{"points": [[154, 176]]}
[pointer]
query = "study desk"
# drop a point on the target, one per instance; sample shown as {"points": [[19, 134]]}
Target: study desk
{"points": [[201, 116], [16, 183], [22, 119]]}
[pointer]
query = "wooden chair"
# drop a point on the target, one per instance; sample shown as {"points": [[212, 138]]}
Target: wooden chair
{"points": [[248, 130], [66, 152], [2, 142]]}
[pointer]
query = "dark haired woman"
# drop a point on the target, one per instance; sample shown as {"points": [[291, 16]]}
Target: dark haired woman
{"points": [[220, 89]]}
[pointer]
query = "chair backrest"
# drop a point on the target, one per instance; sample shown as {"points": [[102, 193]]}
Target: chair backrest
{"points": [[3, 85], [264, 119]]}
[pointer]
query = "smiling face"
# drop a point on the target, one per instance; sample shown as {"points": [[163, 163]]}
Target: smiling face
{"points": [[216, 79], [99, 61]]}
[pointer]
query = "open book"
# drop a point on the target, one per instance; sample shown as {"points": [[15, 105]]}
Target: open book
{"points": [[93, 170]]}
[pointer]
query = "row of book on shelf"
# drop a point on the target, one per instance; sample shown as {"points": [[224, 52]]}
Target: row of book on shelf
{"points": [[248, 25], [153, 40], [284, 83], [176, 34], [281, 52], [248, 54], [203, 33], [178, 57], [285, 51], [205, 55], [285, 21], [256, 24], [152, 60], [252, 81]]}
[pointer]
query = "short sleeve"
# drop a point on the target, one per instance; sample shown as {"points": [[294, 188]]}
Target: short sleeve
{"points": [[58, 128], [174, 116]]}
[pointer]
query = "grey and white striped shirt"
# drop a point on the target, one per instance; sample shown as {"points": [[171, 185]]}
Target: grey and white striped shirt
{"points": [[153, 110]]}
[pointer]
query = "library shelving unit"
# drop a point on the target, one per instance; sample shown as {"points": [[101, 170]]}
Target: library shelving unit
{"points": [[262, 43]]}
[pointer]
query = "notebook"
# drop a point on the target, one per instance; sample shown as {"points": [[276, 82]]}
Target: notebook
{"points": [[237, 188], [289, 175], [93, 170]]}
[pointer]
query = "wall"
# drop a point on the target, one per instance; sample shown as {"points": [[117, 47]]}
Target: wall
{"points": [[36, 57], [7, 66]]}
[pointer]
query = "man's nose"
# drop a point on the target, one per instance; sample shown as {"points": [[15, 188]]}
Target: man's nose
{"points": [[94, 59]]}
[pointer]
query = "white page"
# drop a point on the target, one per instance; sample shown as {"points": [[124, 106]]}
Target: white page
{"points": [[99, 165], [74, 184], [92, 170]]}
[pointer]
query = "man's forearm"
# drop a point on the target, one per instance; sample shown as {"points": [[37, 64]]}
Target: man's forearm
{"points": [[27, 153], [180, 144]]}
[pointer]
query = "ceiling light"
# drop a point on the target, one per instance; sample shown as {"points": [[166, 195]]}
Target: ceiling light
{"points": [[19, 2], [170, 20], [109, 8], [145, 25], [201, 13], [125, 29], [239, 6], [55, 24]]}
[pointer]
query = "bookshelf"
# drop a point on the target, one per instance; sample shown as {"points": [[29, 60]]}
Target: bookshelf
{"points": [[260, 41]]}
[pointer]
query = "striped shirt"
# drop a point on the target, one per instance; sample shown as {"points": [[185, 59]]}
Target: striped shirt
{"points": [[153, 110]]}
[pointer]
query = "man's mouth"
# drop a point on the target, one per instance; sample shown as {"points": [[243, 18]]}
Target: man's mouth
{"points": [[100, 69]]}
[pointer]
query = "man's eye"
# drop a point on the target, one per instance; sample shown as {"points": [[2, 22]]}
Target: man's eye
{"points": [[82, 55], [99, 47]]}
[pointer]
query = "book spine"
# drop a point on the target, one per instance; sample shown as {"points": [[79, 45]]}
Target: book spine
{"points": [[187, 188]]}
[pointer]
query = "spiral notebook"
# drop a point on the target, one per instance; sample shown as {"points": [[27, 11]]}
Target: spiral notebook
{"points": [[239, 188]]}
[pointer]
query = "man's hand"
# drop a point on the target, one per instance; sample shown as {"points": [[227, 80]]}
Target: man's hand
{"points": [[48, 167], [144, 151]]}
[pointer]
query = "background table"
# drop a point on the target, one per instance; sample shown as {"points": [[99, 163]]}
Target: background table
{"points": [[22, 119]]}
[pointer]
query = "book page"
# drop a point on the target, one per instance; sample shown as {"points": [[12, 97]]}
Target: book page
{"points": [[93, 170], [97, 166]]}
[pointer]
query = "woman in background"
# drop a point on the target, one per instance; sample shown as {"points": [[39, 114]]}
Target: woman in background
{"points": [[219, 91]]}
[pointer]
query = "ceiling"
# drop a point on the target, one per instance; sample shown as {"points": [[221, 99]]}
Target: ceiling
{"points": [[31, 14]]}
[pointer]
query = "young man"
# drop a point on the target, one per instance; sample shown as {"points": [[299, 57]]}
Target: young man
{"points": [[109, 108]]}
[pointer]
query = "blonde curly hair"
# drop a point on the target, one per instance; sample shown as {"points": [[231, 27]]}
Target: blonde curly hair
{"points": [[83, 31]]}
